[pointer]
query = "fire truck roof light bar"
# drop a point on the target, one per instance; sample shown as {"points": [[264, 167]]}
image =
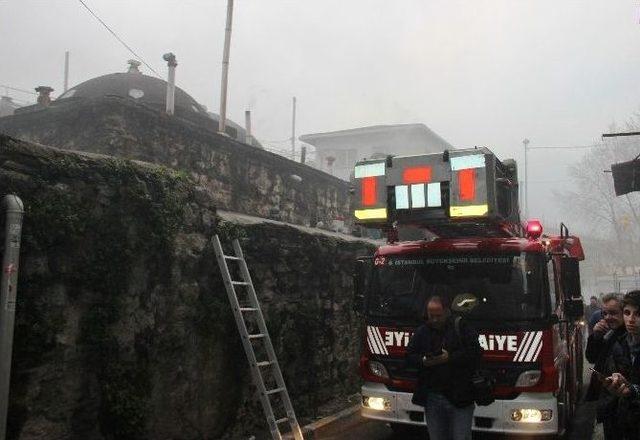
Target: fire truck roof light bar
{"points": [[402, 197], [465, 162], [371, 214], [434, 199], [469, 211], [416, 174], [418, 196], [369, 170]]}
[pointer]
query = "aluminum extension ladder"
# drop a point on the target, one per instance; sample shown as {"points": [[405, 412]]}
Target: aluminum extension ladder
{"points": [[243, 313]]}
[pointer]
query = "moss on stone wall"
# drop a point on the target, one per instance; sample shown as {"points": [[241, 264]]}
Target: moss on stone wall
{"points": [[88, 222], [123, 326]]}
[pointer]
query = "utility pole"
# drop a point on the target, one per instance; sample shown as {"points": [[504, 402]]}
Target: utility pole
{"points": [[225, 68], [66, 71], [293, 131], [525, 142]]}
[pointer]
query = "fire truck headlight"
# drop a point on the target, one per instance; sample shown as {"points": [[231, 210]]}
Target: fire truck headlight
{"points": [[531, 415], [377, 403], [378, 369], [529, 378]]}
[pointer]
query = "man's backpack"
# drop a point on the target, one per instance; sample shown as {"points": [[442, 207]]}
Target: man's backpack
{"points": [[481, 382]]}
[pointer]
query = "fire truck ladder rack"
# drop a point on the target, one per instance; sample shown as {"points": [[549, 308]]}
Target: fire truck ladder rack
{"points": [[262, 336]]}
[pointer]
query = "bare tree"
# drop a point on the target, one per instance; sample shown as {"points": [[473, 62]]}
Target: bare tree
{"points": [[612, 222]]}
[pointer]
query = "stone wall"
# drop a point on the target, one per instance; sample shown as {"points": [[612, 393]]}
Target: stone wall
{"points": [[123, 328], [239, 177]]}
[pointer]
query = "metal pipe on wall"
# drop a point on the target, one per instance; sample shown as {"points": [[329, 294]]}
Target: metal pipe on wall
{"points": [[225, 68], [14, 209]]}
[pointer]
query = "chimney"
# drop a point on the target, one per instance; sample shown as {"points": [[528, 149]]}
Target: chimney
{"points": [[247, 127], [133, 66], [170, 58], [44, 98]]}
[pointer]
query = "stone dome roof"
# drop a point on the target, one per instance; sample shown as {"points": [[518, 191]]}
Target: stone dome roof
{"points": [[137, 86], [147, 90]]}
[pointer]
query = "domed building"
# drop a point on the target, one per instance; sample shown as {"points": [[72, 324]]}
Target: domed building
{"points": [[147, 90], [124, 115]]}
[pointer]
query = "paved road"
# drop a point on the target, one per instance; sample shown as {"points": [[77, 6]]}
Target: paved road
{"points": [[360, 428], [370, 430]]}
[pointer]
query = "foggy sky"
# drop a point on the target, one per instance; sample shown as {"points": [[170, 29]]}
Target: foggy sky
{"points": [[476, 72]]}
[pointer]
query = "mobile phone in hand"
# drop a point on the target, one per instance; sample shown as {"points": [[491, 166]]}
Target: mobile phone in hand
{"points": [[601, 377]]}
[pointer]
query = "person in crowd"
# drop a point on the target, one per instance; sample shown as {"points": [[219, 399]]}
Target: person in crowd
{"points": [[446, 360], [623, 364], [594, 305], [606, 333], [593, 313]]}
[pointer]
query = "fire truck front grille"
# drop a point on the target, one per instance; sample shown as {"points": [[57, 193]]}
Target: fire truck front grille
{"points": [[507, 374], [398, 370]]}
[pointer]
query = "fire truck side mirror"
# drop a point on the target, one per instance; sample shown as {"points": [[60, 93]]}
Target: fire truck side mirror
{"points": [[570, 278], [571, 291], [574, 308]]}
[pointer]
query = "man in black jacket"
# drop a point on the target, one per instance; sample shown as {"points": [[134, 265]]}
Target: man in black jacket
{"points": [[623, 365], [446, 359], [605, 334]]}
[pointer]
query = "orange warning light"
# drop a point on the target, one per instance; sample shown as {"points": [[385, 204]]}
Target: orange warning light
{"points": [[416, 175]]}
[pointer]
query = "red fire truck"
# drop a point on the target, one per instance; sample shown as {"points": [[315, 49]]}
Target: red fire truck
{"points": [[525, 285]]}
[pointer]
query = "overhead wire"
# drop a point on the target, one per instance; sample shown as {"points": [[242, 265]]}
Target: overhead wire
{"points": [[279, 141], [118, 38], [17, 89], [565, 147]]}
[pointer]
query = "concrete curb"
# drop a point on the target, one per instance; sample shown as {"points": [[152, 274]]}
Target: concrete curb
{"points": [[332, 425]]}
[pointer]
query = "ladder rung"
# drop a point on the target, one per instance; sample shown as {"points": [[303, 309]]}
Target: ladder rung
{"points": [[239, 283], [282, 420], [256, 336], [248, 309], [264, 363], [275, 391], [231, 257]]}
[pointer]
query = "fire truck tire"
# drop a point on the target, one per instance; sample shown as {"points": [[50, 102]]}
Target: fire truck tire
{"points": [[579, 357], [565, 416]]}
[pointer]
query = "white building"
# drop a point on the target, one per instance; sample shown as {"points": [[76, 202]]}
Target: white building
{"points": [[338, 151]]}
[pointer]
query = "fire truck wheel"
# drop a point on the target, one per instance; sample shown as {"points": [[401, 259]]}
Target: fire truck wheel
{"points": [[568, 410], [579, 358]]}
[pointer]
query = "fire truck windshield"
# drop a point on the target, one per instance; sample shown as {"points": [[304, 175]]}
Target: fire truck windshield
{"points": [[509, 287]]}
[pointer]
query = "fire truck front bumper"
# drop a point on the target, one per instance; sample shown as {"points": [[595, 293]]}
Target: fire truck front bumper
{"points": [[529, 413], [379, 403]]}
